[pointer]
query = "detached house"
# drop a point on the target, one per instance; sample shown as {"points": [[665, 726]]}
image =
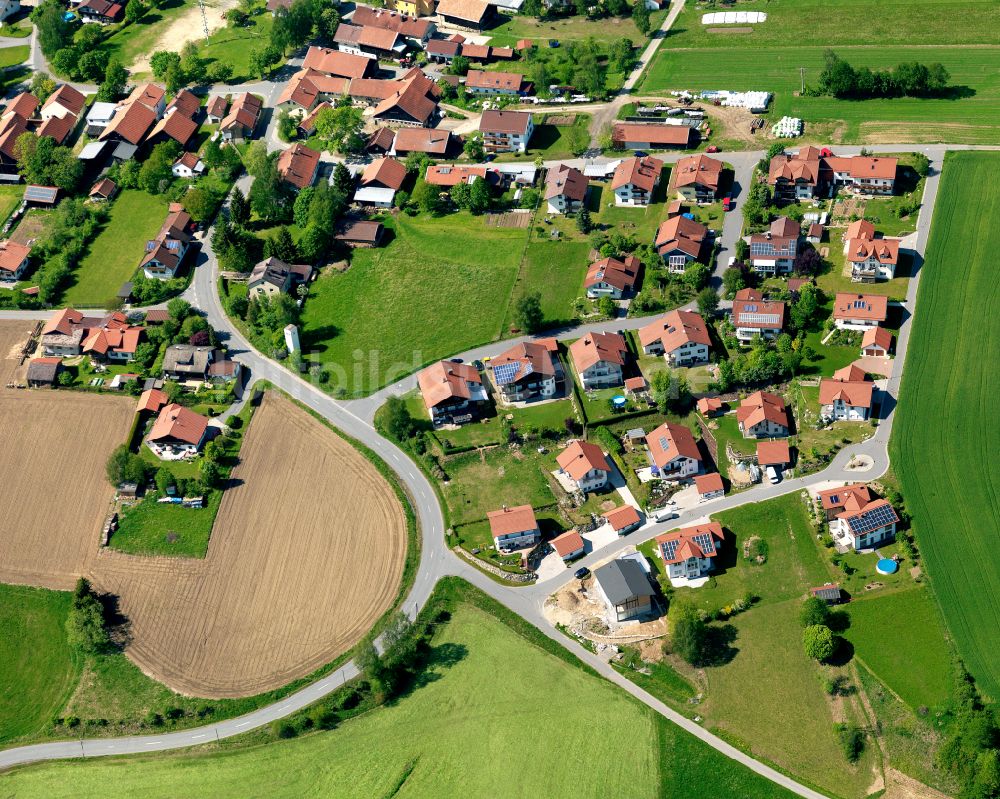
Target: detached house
{"points": [[165, 253], [514, 528], [634, 181], [813, 173], [565, 189], [795, 177], [697, 178], [241, 120], [847, 396], [863, 174], [860, 311], [527, 371], [611, 277], [14, 260], [709, 486], [680, 241], [774, 252], [625, 589], [453, 393], [273, 276], [585, 465], [599, 359], [690, 553], [506, 131], [860, 521], [680, 336], [380, 181], [623, 520], [298, 166], [755, 316], [105, 338], [183, 362], [871, 256], [876, 343], [674, 452], [178, 432], [763, 415]]}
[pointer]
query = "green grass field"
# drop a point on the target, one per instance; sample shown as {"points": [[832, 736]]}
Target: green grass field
{"points": [[970, 119], [10, 198], [11, 56], [448, 736], [424, 296], [900, 638], [555, 269], [151, 528], [944, 441], [574, 28], [116, 252], [233, 46], [37, 667]]}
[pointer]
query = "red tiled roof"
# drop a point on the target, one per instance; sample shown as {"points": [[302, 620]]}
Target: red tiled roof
{"points": [[57, 127], [417, 98], [688, 546], [388, 172], [514, 123], [504, 81], [413, 27], [620, 274], [12, 255], [297, 165], [446, 380], [762, 406], [643, 173], [653, 135], [217, 106], [773, 453], [335, 62], [700, 170], [877, 337], [707, 405], [708, 483], [532, 357], [675, 329], [177, 422], [452, 174], [422, 140], [566, 181], [468, 10], [622, 517], [512, 520], [681, 233], [861, 307], [567, 543], [885, 251], [857, 394], [366, 36], [174, 124], [581, 457], [24, 104], [668, 441], [750, 310], [68, 97], [187, 102], [131, 122], [595, 348]]}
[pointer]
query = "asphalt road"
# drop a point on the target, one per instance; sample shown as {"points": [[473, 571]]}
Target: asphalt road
{"points": [[355, 418]]}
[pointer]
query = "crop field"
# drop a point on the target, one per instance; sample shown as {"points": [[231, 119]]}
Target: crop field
{"points": [[944, 440], [37, 667], [448, 736], [306, 554], [116, 252], [55, 492], [910, 654], [969, 118]]}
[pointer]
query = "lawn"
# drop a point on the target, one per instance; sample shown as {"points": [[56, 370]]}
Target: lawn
{"points": [[233, 46], [835, 280], [769, 696], [10, 198], [642, 223], [115, 254], [130, 43], [793, 562], [555, 269], [549, 415], [900, 638], [12, 56], [574, 28], [37, 667], [944, 443], [448, 736], [743, 63], [429, 293], [551, 142], [153, 528]]}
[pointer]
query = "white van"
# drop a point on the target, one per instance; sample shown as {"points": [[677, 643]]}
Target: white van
{"points": [[773, 474], [663, 514]]}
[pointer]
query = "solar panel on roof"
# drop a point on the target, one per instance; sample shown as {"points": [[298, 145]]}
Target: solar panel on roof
{"points": [[874, 519], [504, 373], [40, 194], [664, 444], [669, 548]]}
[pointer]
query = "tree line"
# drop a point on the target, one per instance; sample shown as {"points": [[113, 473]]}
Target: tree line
{"points": [[908, 79]]}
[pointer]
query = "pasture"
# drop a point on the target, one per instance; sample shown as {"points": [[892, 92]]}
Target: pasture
{"points": [[969, 118], [55, 493], [944, 441], [37, 667], [900, 638], [439, 287], [114, 256], [307, 552], [448, 736]]}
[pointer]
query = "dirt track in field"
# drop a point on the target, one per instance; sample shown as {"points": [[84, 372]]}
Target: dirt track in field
{"points": [[55, 495], [306, 554]]}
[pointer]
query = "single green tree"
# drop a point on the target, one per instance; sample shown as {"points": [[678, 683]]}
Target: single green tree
{"points": [[818, 642]]}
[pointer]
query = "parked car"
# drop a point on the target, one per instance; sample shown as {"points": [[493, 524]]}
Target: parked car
{"points": [[773, 475], [663, 514], [727, 203], [553, 43], [582, 572], [640, 154]]}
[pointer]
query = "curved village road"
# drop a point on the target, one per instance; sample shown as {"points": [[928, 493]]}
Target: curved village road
{"points": [[354, 418]]}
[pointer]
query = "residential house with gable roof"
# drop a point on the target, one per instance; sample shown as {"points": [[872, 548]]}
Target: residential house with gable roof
{"points": [[860, 520], [773, 252], [453, 393], [755, 316], [681, 241], [763, 415], [690, 553], [241, 120], [871, 256], [680, 336], [14, 260], [634, 181], [674, 452], [697, 178], [178, 432], [585, 465], [599, 359], [339, 63], [298, 166], [860, 311], [624, 519], [366, 40], [565, 189], [514, 528], [104, 338], [506, 131], [165, 253], [613, 277], [527, 371], [624, 587], [272, 276], [414, 102], [847, 396]]}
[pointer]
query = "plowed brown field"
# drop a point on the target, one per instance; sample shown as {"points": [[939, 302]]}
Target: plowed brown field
{"points": [[307, 551], [54, 494]]}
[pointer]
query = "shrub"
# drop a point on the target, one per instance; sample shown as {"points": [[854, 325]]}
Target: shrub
{"points": [[852, 741], [817, 640]]}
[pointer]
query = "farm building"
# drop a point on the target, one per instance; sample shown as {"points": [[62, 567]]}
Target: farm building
{"points": [[43, 372], [652, 137]]}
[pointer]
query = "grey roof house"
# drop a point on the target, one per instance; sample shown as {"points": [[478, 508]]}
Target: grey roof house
{"points": [[187, 362], [625, 590]]}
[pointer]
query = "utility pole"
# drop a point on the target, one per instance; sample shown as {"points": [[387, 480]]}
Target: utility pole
{"points": [[204, 19], [802, 78]]}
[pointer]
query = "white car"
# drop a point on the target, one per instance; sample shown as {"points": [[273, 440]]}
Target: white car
{"points": [[773, 474]]}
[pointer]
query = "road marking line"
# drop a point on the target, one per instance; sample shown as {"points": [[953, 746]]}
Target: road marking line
{"points": [[243, 724]]}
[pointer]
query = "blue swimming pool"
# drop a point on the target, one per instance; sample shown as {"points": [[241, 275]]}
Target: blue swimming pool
{"points": [[886, 566]]}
